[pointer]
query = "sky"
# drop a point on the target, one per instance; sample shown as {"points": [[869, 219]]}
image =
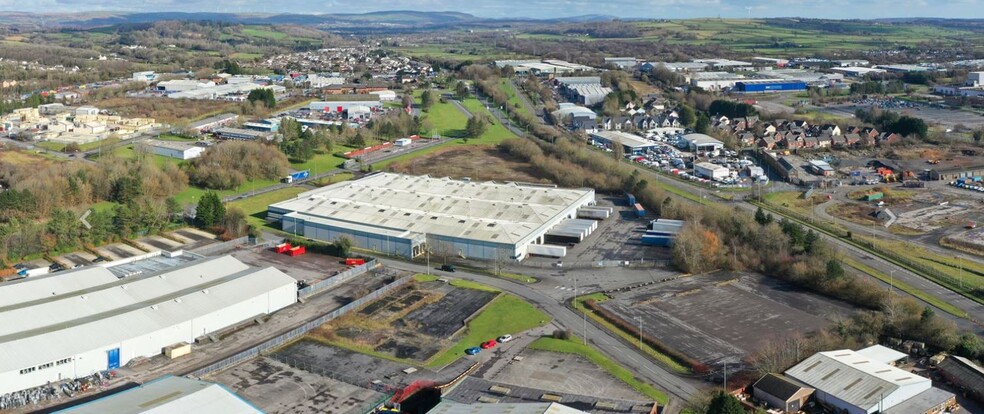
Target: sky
{"points": [[840, 9]]}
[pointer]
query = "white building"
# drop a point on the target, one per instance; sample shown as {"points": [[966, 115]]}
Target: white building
{"points": [[403, 215], [168, 395], [384, 96], [858, 384], [702, 143], [75, 323], [452, 407], [173, 149], [975, 79], [711, 171], [182, 85]]}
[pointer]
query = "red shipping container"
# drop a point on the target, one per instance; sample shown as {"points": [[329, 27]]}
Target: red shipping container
{"points": [[354, 262], [296, 251], [281, 248]]}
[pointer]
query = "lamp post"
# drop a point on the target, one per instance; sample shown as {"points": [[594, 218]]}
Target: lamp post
{"points": [[639, 318], [891, 283]]}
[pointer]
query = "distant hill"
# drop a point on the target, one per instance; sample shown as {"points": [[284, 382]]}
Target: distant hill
{"points": [[384, 19]]}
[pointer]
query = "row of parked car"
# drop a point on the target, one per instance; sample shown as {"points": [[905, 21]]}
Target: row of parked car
{"points": [[969, 185], [491, 343]]}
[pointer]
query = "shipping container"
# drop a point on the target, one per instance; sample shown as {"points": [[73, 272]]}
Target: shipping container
{"points": [[547, 250], [874, 196], [296, 251], [354, 262], [641, 212], [282, 248], [653, 240], [630, 198]]}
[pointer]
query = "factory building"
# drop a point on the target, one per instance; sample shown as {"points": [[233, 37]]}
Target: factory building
{"points": [[702, 143], [861, 383], [172, 149], [584, 90], [75, 323], [408, 216], [168, 394], [633, 144], [344, 106], [758, 86]]}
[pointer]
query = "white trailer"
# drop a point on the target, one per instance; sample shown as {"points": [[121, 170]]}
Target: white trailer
{"points": [[547, 250], [711, 171]]}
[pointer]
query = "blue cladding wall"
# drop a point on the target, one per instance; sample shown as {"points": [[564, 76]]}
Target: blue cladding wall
{"points": [[771, 86]]}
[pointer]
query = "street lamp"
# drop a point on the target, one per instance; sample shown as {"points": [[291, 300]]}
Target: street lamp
{"points": [[891, 283], [639, 318]]}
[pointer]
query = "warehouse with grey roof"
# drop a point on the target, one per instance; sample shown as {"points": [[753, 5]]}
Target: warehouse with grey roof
{"points": [[72, 324], [408, 216]]}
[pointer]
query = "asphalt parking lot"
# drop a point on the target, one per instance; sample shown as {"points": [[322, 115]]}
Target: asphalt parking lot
{"points": [[473, 390], [308, 267], [723, 317], [275, 387], [617, 238], [564, 373]]}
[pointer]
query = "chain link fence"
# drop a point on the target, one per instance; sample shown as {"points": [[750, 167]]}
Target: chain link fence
{"points": [[213, 248], [299, 331], [337, 279]]}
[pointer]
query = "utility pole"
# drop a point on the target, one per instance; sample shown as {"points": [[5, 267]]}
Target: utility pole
{"points": [[960, 270], [891, 284], [639, 318]]}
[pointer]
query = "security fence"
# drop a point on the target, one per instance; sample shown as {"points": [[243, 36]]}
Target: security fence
{"points": [[337, 279]]}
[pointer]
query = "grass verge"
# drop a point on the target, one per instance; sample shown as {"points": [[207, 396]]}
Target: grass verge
{"points": [[506, 314], [256, 207], [573, 347], [664, 359], [905, 287]]}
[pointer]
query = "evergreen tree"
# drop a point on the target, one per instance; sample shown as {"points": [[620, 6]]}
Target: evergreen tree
{"points": [[724, 403], [760, 216]]}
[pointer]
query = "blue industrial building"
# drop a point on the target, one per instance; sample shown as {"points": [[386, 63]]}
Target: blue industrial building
{"points": [[769, 86]]}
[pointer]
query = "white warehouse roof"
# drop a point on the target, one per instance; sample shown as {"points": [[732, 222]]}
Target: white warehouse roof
{"points": [[486, 211], [855, 378], [79, 311], [702, 139], [625, 138], [169, 395], [451, 407]]}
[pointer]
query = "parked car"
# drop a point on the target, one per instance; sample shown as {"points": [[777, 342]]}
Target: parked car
{"points": [[491, 343], [473, 350], [504, 338], [447, 268]]}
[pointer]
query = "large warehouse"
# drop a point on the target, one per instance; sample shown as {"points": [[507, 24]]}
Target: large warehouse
{"points": [[169, 395], [861, 383], [403, 215], [75, 323]]}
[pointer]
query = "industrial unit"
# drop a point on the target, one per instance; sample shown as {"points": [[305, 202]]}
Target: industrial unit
{"points": [[169, 394], [408, 216], [73, 324], [753, 86], [633, 144], [702, 143], [711, 171], [172, 149], [860, 383]]}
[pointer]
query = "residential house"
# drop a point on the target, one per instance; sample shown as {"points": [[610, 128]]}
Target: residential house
{"points": [[784, 393], [766, 141], [888, 138]]}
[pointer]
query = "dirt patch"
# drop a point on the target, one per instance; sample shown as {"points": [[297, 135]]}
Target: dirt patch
{"points": [[414, 323], [480, 163]]}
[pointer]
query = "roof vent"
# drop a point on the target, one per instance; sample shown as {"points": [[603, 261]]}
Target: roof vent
{"points": [[154, 307], [177, 300], [205, 291], [83, 297]]}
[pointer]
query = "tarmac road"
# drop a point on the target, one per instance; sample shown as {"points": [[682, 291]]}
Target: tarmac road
{"points": [[679, 389]]}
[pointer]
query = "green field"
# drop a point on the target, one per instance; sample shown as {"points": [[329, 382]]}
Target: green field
{"points": [[127, 152], [54, 146], [263, 33], [246, 56], [255, 207], [574, 346], [506, 314], [175, 138], [192, 194]]}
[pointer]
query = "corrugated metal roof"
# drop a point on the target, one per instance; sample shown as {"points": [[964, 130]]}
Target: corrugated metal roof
{"points": [[624, 138], [169, 395], [853, 378], [451, 407], [502, 213], [75, 320], [882, 354]]}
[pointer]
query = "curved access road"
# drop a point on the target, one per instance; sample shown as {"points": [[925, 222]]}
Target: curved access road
{"points": [[679, 389]]}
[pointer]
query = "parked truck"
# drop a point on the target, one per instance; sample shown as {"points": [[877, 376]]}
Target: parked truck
{"points": [[300, 175], [874, 196]]}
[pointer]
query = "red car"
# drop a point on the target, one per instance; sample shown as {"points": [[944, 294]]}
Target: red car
{"points": [[489, 344]]}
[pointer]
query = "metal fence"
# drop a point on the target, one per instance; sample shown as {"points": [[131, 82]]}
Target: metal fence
{"points": [[337, 279], [637, 263], [299, 331], [210, 249]]}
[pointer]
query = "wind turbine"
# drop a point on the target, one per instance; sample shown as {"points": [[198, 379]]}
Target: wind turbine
{"points": [[749, 10]]}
